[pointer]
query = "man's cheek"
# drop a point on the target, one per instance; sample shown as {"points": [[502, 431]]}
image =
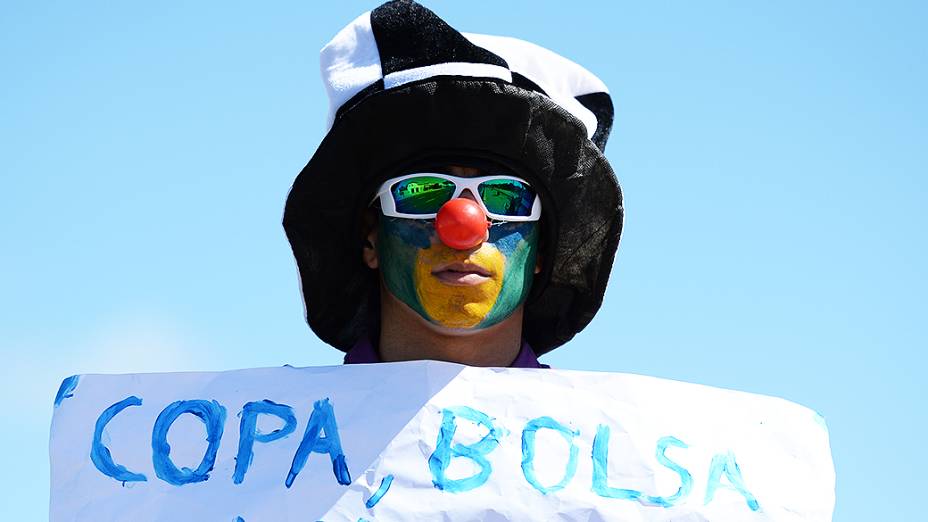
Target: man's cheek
{"points": [[518, 242], [398, 244]]}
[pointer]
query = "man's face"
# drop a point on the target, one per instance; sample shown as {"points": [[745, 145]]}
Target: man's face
{"points": [[462, 289]]}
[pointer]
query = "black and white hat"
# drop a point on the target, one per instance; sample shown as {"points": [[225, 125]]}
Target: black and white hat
{"points": [[407, 89]]}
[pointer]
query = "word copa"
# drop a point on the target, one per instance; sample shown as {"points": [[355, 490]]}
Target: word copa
{"points": [[321, 436]]}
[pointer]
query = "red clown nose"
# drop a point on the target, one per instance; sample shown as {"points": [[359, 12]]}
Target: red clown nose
{"points": [[461, 224]]}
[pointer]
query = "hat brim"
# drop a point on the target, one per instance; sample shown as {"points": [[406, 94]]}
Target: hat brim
{"points": [[454, 117]]}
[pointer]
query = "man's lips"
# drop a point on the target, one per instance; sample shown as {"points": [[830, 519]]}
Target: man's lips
{"points": [[462, 274]]}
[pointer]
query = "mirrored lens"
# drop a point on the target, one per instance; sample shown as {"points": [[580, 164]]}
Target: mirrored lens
{"points": [[507, 197], [422, 194]]}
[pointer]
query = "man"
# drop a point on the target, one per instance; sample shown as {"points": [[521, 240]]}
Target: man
{"points": [[460, 207]]}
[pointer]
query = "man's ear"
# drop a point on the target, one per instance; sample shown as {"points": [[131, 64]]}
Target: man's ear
{"points": [[369, 239]]}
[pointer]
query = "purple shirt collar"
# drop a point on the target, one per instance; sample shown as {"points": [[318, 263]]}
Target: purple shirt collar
{"points": [[363, 352]]}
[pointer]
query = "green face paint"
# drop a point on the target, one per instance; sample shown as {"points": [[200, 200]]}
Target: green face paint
{"points": [[398, 243], [519, 244]]}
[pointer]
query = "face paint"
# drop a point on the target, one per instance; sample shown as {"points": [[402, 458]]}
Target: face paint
{"points": [[458, 306], [518, 242], [409, 252]]}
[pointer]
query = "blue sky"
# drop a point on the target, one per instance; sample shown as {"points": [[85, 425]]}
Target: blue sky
{"points": [[772, 156]]}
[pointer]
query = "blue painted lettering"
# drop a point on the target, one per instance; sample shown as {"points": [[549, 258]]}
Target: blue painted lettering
{"points": [[445, 450], [66, 390], [528, 452], [213, 416], [321, 420], [726, 465], [100, 454], [600, 472], [248, 432], [381, 491], [601, 468], [686, 479]]}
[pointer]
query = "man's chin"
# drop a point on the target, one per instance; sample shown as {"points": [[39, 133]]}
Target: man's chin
{"points": [[466, 325], [455, 324], [459, 327]]}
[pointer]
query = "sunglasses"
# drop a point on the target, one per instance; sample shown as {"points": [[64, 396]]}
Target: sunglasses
{"points": [[420, 196]]}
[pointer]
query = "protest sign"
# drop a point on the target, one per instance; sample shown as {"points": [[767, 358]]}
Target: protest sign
{"points": [[427, 441]]}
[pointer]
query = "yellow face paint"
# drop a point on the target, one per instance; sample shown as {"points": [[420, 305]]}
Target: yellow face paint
{"points": [[458, 306]]}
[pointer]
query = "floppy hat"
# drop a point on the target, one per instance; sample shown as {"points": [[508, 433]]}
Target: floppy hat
{"points": [[407, 90]]}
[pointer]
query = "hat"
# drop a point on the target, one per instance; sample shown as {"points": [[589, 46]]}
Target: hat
{"points": [[405, 89]]}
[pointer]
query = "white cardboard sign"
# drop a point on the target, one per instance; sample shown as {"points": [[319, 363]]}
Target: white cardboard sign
{"points": [[430, 441]]}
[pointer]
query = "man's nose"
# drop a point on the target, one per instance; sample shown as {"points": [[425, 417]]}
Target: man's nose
{"points": [[461, 223]]}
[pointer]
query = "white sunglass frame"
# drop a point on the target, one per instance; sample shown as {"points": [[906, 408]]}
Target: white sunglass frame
{"points": [[388, 205]]}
